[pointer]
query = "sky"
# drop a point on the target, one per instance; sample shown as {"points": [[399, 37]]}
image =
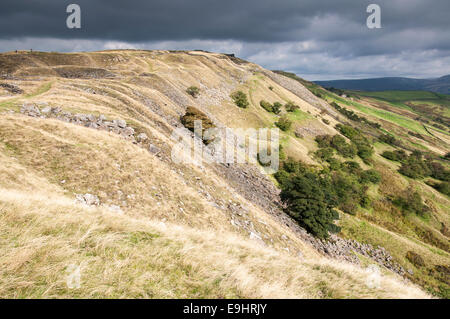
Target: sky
{"points": [[316, 39]]}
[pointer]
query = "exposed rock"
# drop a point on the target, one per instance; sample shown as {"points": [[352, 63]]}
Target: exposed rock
{"points": [[142, 137], [88, 199], [154, 149], [11, 88], [30, 110], [120, 123]]}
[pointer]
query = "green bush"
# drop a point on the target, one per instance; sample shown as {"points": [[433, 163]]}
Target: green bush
{"points": [[323, 140], [443, 187], [284, 123], [193, 91], [308, 201], [291, 106], [342, 147], [325, 154], [351, 167], [438, 171], [397, 155], [353, 116], [415, 259], [370, 176], [326, 121], [388, 139], [276, 107], [266, 106], [240, 99], [363, 145], [338, 143], [411, 202]]}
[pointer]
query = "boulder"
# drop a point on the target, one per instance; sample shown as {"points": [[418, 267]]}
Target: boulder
{"points": [[142, 137], [30, 110]]}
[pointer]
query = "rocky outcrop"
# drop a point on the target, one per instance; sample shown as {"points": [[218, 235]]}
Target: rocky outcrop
{"points": [[100, 122], [11, 88]]}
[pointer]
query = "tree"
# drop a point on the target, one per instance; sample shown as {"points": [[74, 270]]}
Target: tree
{"points": [[309, 201], [276, 107], [240, 99], [284, 123], [266, 105], [291, 106]]}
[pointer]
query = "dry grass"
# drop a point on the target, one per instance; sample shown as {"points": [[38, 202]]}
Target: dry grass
{"points": [[123, 257]]}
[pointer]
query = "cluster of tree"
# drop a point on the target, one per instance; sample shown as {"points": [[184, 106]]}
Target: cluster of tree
{"points": [[240, 99], [335, 91], [272, 108], [363, 145], [353, 116], [276, 107], [309, 198], [411, 202], [291, 106], [344, 186], [389, 139], [336, 142], [396, 155], [418, 166]]}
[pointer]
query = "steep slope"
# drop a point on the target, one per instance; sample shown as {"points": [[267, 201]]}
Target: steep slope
{"points": [[101, 123]]}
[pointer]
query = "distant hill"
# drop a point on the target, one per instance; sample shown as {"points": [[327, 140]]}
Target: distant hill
{"points": [[438, 85]]}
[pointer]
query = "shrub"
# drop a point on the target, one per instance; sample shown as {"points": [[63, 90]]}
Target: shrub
{"points": [[271, 88], [325, 154], [351, 167], [370, 176], [414, 166], [283, 123], [353, 116], [438, 171], [307, 200], [193, 91], [240, 99], [415, 259], [338, 143], [276, 107], [443, 187], [291, 106], [266, 106], [323, 140], [326, 121], [343, 148], [411, 202], [365, 149], [388, 139], [193, 114], [397, 155]]}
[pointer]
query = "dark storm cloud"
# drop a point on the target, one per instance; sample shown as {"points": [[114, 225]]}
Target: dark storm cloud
{"points": [[287, 31]]}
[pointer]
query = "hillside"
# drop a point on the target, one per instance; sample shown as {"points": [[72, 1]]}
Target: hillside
{"points": [[88, 180], [437, 85]]}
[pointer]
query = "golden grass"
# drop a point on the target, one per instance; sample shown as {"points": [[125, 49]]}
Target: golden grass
{"points": [[123, 257]]}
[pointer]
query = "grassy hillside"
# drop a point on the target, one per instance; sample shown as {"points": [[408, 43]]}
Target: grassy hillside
{"points": [[162, 229]]}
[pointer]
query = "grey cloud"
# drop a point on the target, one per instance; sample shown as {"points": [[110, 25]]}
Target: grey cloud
{"points": [[319, 38]]}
